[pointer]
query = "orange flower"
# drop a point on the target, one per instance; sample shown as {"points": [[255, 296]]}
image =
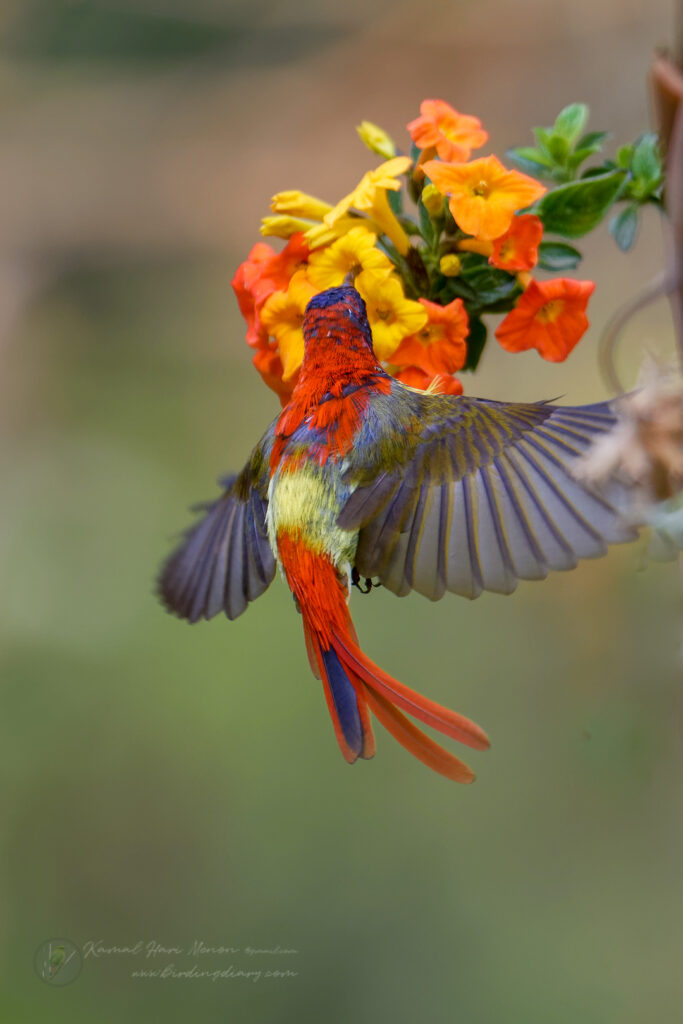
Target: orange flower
{"points": [[438, 384], [517, 249], [454, 135], [483, 195], [268, 363], [264, 272], [251, 290], [440, 346], [550, 316]]}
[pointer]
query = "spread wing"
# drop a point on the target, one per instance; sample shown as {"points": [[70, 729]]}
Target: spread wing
{"points": [[469, 495], [224, 560]]}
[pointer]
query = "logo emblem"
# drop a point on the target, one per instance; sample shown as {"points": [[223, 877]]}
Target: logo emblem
{"points": [[58, 961]]}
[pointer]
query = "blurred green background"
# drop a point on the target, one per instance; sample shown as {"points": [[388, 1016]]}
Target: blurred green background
{"points": [[172, 784]]}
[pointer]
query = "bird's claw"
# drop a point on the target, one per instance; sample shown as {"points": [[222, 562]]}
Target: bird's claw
{"points": [[356, 582]]}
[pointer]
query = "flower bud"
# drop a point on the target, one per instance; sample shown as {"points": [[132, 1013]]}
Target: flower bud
{"points": [[432, 200], [376, 139], [299, 204], [283, 227], [450, 265]]}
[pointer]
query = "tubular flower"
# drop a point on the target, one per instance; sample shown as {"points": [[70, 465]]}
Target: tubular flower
{"points": [[292, 258], [321, 234], [251, 290], [440, 346], [268, 363], [517, 249], [452, 134], [392, 316], [354, 253], [299, 204], [262, 273], [370, 196], [283, 317], [376, 139], [483, 195], [550, 316], [283, 226]]}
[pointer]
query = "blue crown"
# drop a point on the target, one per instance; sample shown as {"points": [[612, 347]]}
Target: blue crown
{"points": [[346, 303], [336, 296]]}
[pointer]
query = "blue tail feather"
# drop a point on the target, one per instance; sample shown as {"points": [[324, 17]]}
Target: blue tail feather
{"points": [[345, 700]]}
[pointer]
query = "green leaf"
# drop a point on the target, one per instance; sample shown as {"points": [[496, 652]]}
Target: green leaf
{"points": [[592, 140], [579, 155], [542, 136], [558, 256], [395, 197], [575, 209], [558, 147], [603, 168], [476, 339], [490, 285], [645, 163], [410, 227], [449, 225], [531, 153], [570, 122], [401, 264], [449, 288], [624, 156], [426, 224], [539, 167], [623, 227], [418, 270]]}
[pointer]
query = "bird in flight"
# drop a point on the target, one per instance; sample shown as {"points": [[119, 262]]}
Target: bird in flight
{"points": [[361, 478]]}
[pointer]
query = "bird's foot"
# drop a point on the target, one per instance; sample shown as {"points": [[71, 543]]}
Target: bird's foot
{"points": [[356, 582]]}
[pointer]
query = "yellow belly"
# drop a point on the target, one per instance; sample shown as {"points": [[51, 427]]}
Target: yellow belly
{"points": [[304, 503]]}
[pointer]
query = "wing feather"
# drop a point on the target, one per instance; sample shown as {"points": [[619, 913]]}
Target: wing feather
{"points": [[497, 568], [224, 561], [216, 592], [475, 495]]}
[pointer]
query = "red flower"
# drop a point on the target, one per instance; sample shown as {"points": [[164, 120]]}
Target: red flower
{"points": [[440, 347], [267, 362], [283, 266], [550, 316], [436, 384], [454, 135], [517, 249], [264, 272], [248, 288]]}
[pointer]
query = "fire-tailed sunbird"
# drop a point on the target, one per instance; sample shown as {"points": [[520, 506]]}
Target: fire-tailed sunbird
{"points": [[363, 477]]}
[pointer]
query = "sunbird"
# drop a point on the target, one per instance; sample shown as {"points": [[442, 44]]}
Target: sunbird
{"points": [[361, 478]]}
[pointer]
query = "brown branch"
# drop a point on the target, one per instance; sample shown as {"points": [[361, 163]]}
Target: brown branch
{"points": [[667, 89]]}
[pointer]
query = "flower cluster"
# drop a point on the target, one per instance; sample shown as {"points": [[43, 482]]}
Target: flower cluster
{"points": [[468, 247]]}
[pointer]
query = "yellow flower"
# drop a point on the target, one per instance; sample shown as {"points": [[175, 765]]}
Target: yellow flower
{"points": [[299, 204], [392, 316], [483, 195], [353, 253], [283, 226], [376, 139], [283, 317], [321, 234], [370, 196]]}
